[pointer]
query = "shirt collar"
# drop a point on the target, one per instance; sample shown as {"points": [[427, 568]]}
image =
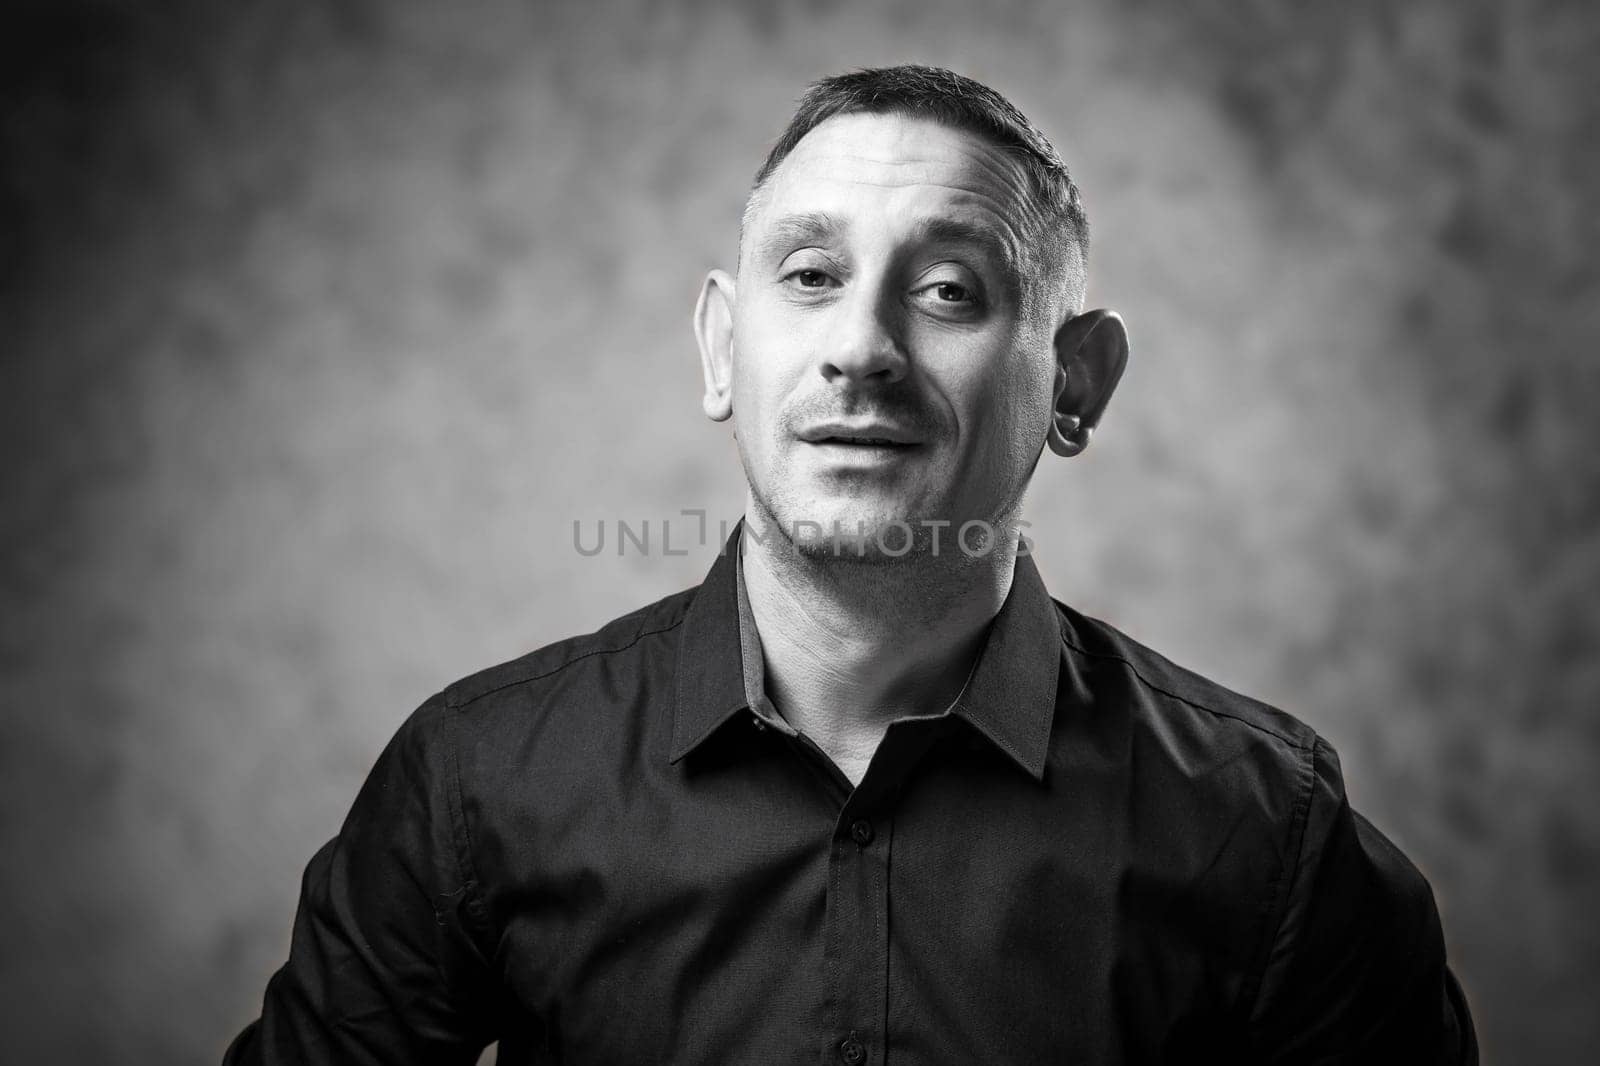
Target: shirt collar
{"points": [[1010, 697], [755, 666], [710, 659]]}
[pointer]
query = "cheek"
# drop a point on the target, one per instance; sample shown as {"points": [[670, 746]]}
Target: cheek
{"points": [[757, 401], [1010, 409], [1032, 382], [764, 354], [758, 390], [749, 384], [1031, 411]]}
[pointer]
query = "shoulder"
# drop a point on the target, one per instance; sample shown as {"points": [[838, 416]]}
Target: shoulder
{"points": [[1254, 840], [1217, 788], [1225, 747], [1237, 775], [617, 644], [534, 713], [1174, 694]]}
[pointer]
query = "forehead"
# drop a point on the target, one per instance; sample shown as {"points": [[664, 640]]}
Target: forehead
{"points": [[886, 169]]}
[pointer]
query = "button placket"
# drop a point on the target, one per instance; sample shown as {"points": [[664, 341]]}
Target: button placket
{"points": [[858, 908], [859, 913]]}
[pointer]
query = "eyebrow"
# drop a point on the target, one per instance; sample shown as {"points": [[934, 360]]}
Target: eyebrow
{"points": [[792, 231], [955, 231], [819, 227]]}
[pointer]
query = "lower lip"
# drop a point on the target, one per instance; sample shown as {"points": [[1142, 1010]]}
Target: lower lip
{"points": [[862, 454]]}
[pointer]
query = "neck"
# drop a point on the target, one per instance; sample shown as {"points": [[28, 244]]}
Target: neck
{"points": [[851, 644]]}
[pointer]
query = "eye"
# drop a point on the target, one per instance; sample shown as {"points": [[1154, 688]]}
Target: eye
{"points": [[956, 300], [810, 279]]}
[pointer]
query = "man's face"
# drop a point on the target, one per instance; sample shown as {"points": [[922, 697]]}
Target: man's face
{"points": [[883, 369]]}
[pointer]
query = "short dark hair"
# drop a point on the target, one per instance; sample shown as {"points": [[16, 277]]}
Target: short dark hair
{"points": [[953, 100]]}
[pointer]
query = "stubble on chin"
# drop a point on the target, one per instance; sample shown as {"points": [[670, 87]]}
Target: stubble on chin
{"points": [[823, 532]]}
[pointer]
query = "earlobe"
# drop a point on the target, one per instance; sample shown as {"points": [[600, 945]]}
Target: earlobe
{"points": [[1065, 435], [1091, 354], [713, 328], [1068, 436]]}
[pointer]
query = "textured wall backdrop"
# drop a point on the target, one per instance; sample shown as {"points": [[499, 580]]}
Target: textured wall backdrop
{"points": [[322, 322]]}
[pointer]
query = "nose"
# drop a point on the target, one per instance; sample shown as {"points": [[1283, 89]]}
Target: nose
{"points": [[865, 348]]}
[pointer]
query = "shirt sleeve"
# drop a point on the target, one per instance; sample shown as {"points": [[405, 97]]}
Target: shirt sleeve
{"points": [[1356, 972], [386, 962]]}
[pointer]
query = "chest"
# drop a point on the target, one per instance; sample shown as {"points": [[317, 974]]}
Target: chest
{"points": [[783, 918]]}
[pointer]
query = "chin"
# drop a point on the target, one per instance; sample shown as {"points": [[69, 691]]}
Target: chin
{"points": [[853, 529]]}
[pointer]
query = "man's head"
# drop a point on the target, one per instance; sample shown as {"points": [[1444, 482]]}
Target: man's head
{"points": [[903, 336], [1050, 212]]}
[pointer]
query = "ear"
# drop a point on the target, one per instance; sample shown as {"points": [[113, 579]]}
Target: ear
{"points": [[713, 328], [1091, 353]]}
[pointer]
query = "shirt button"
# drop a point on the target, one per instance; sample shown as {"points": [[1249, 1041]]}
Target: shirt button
{"points": [[861, 832], [755, 720], [853, 1052]]}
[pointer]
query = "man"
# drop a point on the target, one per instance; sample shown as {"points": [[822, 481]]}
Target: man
{"points": [[868, 795]]}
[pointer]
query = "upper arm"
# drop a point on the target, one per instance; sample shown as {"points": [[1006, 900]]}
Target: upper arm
{"points": [[1356, 971], [386, 964]]}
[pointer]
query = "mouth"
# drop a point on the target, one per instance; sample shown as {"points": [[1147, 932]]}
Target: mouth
{"points": [[870, 435], [862, 442]]}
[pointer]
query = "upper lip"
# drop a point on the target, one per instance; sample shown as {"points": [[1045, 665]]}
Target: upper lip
{"points": [[857, 432]]}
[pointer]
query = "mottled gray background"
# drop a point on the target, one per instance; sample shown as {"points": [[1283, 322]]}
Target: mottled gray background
{"points": [[322, 322]]}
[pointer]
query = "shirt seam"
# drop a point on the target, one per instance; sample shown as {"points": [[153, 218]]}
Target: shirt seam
{"points": [[1133, 668], [456, 705], [466, 865], [1282, 886], [836, 965]]}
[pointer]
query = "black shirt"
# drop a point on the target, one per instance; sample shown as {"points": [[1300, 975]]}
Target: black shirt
{"points": [[602, 853]]}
